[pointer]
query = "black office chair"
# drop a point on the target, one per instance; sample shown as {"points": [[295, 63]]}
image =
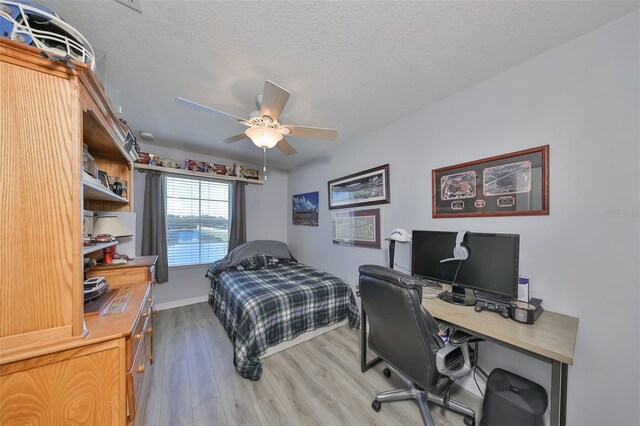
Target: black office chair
{"points": [[406, 336]]}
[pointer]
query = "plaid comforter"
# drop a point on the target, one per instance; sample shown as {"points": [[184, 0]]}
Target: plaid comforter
{"points": [[272, 301]]}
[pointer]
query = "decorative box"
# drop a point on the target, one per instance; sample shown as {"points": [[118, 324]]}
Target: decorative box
{"points": [[219, 169], [143, 158], [196, 166], [250, 174]]}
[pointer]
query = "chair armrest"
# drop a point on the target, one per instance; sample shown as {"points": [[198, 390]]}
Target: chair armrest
{"points": [[458, 337], [442, 354]]}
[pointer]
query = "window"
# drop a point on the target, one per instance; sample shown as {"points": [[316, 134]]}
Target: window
{"points": [[198, 213]]}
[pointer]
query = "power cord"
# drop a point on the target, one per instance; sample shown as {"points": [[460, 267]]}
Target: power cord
{"points": [[402, 267], [455, 276], [475, 368], [431, 289], [429, 292]]}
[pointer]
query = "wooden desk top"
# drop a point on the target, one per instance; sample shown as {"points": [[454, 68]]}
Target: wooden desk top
{"points": [[99, 329], [119, 324], [552, 336]]}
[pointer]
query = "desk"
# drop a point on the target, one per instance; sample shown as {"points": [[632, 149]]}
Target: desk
{"points": [[552, 339]]}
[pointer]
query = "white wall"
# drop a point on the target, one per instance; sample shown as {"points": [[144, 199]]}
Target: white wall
{"points": [[581, 98], [266, 219]]}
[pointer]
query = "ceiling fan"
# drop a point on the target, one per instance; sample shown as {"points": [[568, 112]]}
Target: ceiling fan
{"points": [[263, 127]]}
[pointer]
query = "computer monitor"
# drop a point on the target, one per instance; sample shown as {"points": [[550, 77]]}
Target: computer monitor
{"points": [[491, 268]]}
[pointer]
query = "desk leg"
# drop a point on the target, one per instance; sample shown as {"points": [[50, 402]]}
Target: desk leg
{"points": [[558, 393], [364, 366]]}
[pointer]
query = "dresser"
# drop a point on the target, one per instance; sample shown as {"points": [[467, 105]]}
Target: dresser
{"points": [[58, 363]]}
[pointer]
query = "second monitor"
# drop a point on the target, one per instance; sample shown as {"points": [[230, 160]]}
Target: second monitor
{"points": [[491, 267]]}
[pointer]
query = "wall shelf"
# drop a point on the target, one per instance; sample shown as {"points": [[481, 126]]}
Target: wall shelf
{"points": [[200, 175], [94, 248], [94, 190]]}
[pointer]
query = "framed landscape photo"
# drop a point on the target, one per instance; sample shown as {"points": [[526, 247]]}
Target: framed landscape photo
{"points": [[305, 209], [360, 189], [514, 184], [357, 228]]}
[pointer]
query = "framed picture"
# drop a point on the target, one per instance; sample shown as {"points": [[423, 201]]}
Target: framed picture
{"points": [[357, 228], [514, 184], [305, 209], [104, 179], [360, 189]]}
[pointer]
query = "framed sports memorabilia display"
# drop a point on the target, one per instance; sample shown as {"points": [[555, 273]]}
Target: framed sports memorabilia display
{"points": [[514, 184], [360, 189], [357, 228]]}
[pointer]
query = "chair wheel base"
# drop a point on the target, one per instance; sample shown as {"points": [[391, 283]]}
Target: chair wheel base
{"points": [[386, 372], [376, 405], [469, 421]]}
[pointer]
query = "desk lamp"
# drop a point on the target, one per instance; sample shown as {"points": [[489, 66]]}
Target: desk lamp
{"points": [[398, 234], [110, 225]]}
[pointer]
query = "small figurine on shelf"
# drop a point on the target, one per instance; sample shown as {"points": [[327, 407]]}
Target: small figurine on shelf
{"points": [[117, 187], [233, 170], [154, 160]]}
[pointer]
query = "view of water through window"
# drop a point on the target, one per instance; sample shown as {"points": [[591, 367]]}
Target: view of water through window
{"points": [[198, 214]]}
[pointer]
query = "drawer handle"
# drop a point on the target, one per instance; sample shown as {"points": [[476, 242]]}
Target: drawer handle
{"points": [[149, 330], [150, 299], [140, 368], [144, 314], [137, 336]]}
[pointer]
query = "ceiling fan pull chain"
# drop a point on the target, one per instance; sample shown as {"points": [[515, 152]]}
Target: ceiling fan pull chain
{"points": [[264, 167]]}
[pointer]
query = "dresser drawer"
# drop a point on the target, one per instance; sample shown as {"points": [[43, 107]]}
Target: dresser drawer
{"points": [[136, 339], [143, 321], [122, 277], [136, 377]]}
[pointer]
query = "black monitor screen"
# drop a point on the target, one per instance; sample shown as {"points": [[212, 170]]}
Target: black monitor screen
{"points": [[492, 265]]}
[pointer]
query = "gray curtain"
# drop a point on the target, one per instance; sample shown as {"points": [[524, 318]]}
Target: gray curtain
{"points": [[238, 233], [154, 229]]}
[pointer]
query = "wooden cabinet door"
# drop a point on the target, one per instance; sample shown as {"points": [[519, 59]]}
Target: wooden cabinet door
{"points": [[65, 388], [40, 226]]}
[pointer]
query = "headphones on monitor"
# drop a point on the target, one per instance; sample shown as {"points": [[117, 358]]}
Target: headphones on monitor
{"points": [[460, 252]]}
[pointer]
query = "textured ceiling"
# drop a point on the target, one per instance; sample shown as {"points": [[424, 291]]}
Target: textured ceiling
{"points": [[354, 66]]}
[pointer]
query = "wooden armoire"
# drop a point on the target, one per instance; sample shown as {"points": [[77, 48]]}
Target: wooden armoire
{"points": [[59, 365]]}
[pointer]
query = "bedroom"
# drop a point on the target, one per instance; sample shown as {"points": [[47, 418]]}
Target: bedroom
{"points": [[570, 81]]}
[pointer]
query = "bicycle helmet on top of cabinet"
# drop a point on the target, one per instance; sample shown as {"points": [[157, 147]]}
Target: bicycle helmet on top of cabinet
{"points": [[39, 26]]}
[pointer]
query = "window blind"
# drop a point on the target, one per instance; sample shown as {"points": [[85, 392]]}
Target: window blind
{"points": [[198, 213]]}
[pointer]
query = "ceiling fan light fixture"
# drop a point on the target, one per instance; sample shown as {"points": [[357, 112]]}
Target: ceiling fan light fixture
{"points": [[264, 137], [285, 131]]}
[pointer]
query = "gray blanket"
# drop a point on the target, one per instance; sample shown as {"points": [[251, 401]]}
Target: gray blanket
{"points": [[252, 248]]}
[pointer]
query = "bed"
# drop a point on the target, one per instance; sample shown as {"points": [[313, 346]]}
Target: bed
{"points": [[264, 299]]}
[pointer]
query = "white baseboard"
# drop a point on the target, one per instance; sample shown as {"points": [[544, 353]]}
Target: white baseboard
{"points": [[181, 302]]}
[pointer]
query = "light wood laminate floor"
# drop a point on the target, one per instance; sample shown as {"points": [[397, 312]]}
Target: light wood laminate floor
{"points": [[315, 383]]}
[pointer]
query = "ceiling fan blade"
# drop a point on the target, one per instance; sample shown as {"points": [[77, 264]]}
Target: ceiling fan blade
{"points": [[312, 132], [235, 138], [205, 108], [285, 148], [274, 98]]}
